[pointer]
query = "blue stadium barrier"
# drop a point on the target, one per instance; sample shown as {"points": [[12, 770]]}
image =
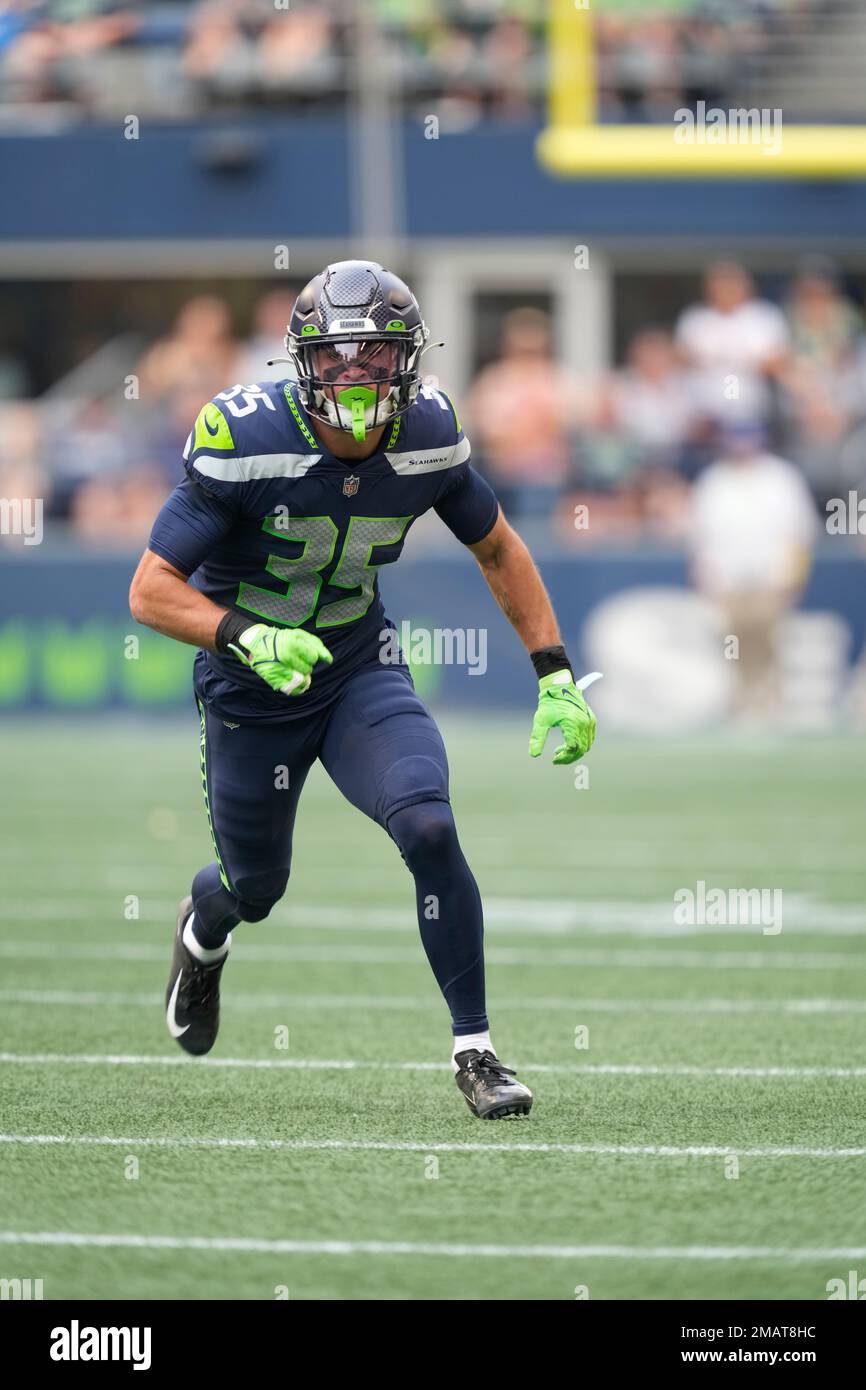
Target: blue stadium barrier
{"points": [[67, 641], [250, 178]]}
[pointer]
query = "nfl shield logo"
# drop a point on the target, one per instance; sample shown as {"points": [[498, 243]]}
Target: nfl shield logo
{"points": [[351, 485]]}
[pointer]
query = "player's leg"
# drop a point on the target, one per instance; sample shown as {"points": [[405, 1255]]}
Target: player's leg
{"points": [[252, 776], [385, 753]]}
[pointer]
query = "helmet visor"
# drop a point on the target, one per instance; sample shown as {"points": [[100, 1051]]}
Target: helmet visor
{"points": [[347, 363]]}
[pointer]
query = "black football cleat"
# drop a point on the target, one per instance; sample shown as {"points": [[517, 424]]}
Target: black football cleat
{"points": [[192, 999], [487, 1085]]}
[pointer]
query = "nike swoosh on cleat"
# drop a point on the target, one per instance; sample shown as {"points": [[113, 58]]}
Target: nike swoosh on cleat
{"points": [[173, 1028]]}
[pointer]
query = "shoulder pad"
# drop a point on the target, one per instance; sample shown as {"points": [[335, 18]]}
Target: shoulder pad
{"points": [[210, 431], [430, 437], [245, 434]]}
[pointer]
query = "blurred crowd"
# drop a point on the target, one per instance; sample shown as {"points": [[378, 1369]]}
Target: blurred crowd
{"points": [[725, 431], [733, 371], [733, 365], [105, 459], [467, 59]]}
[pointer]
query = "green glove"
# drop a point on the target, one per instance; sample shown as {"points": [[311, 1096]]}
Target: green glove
{"points": [[282, 656], [561, 706]]}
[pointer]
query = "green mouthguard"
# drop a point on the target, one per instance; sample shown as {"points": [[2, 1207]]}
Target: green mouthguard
{"points": [[357, 399]]}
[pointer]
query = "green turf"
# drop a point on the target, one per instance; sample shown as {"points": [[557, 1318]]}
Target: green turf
{"points": [[579, 884]]}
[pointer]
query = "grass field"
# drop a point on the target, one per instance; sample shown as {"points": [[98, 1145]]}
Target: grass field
{"points": [[128, 1170]]}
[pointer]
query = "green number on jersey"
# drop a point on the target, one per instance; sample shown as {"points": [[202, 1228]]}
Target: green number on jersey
{"points": [[303, 575], [354, 570], [318, 535]]}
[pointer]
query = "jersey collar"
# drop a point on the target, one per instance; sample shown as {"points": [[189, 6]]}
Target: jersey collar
{"points": [[306, 426]]}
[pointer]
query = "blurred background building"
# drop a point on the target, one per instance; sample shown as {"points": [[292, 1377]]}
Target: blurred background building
{"points": [[664, 378]]}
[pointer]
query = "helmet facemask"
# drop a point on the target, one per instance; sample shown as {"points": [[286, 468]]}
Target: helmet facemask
{"points": [[356, 382]]}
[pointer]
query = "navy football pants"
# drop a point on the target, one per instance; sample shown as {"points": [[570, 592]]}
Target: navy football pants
{"points": [[379, 743]]}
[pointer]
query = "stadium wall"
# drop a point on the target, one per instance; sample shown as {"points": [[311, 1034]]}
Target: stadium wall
{"points": [[65, 634], [276, 179]]}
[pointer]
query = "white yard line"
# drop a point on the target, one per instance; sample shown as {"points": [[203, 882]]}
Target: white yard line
{"points": [[507, 916], [353, 1064], [410, 1003], [663, 958], [418, 1146], [250, 1245]]}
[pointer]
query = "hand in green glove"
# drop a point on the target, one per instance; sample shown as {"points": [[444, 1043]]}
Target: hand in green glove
{"points": [[282, 656], [561, 706]]}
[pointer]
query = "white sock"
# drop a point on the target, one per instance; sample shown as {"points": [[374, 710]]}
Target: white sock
{"points": [[481, 1041], [195, 948]]}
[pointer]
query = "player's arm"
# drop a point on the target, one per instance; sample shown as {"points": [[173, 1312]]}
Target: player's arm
{"points": [[470, 510], [519, 590], [468, 506], [190, 524], [517, 586], [161, 597]]}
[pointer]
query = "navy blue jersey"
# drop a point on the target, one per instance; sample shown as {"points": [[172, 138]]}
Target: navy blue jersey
{"points": [[269, 523]]}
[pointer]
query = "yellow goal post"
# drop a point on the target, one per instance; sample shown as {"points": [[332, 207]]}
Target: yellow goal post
{"points": [[758, 145]]}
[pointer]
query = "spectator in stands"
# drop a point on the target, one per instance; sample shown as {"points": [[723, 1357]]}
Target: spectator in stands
{"points": [[708, 59], [296, 51], [87, 439], [22, 477], [452, 65], [852, 395], [736, 344], [267, 340], [752, 529], [469, 57], [824, 324], [523, 409], [118, 511], [199, 355], [507, 51], [214, 42], [648, 404], [636, 443], [817, 376], [48, 57], [161, 435], [642, 66]]}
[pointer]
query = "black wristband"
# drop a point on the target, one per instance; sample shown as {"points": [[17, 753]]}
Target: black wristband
{"points": [[229, 630], [549, 659]]}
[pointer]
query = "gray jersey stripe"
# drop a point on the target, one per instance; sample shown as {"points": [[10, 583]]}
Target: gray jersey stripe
{"points": [[245, 470]]}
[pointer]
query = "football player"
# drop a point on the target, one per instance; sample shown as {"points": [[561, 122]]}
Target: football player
{"points": [[265, 557]]}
